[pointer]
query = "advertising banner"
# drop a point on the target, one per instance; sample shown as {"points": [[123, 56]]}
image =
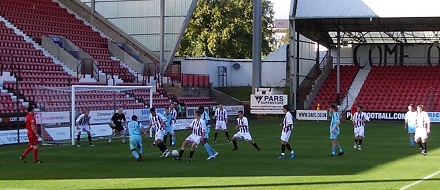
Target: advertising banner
{"points": [[52, 117], [11, 137], [315, 115], [268, 104]]}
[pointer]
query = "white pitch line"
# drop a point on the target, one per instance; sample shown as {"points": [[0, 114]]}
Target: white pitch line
{"points": [[419, 181]]}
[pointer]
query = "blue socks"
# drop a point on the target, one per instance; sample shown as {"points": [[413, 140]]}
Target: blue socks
{"points": [[333, 150], [411, 141], [209, 149], [340, 148], [135, 154], [173, 139]]}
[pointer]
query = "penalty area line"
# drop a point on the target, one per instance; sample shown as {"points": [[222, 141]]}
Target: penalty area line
{"points": [[419, 181]]}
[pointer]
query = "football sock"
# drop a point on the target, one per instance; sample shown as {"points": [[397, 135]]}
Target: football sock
{"points": [[173, 139], [360, 141], [333, 150], [283, 149], [235, 143], [424, 147], [161, 147], [181, 153], [191, 154], [165, 138], [123, 136], [135, 154], [111, 136], [208, 149], [288, 147], [420, 144], [256, 146], [28, 149], [164, 146], [77, 139], [340, 148], [90, 139], [227, 135], [411, 141], [35, 151], [213, 151], [140, 149], [215, 136], [355, 141]]}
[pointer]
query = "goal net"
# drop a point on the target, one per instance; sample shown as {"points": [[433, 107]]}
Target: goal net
{"points": [[59, 107]]}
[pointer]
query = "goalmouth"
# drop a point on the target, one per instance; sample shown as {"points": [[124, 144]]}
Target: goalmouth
{"points": [[55, 102]]}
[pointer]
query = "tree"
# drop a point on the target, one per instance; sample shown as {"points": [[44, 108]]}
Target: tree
{"points": [[223, 28]]}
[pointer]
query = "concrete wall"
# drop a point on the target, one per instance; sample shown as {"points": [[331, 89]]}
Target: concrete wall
{"points": [[59, 53], [273, 73], [125, 57]]}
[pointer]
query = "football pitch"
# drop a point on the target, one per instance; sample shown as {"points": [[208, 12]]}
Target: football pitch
{"points": [[385, 162]]}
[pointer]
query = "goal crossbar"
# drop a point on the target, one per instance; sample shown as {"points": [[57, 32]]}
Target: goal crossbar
{"points": [[78, 88]]}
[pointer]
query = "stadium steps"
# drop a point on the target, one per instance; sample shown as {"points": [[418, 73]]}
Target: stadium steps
{"points": [[101, 34], [37, 46], [355, 88], [124, 65]]}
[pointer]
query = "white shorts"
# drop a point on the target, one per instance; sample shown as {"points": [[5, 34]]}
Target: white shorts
{"points": [[285, 136], [245, 136], [421, 133], [220, 125], [83, 128], [159, 135], [194, 138], [359, 131]]}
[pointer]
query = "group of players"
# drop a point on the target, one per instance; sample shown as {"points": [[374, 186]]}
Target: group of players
{"points": [[163, 126], [416, 122], [200, 127]]}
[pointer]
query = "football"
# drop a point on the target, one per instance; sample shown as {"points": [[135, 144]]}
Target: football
{"points": [[175, 153]]}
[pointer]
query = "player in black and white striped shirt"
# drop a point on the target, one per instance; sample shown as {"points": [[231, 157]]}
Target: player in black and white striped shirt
{"points": [[158, 121], [198, 128], [83, 125], [359, 119], [221, 116], [243, 133]]}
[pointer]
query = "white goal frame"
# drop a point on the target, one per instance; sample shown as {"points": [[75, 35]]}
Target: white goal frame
{"points": [[100, 88]]}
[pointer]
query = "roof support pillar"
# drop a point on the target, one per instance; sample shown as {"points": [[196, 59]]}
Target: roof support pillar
{"points": [[292, 65]]}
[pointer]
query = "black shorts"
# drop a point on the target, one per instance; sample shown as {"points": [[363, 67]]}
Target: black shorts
{"points": [[118, 128]]}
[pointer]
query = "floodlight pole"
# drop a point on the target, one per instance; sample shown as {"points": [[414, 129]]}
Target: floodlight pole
{"points": [[338, 68], [256, 45], [162, 41]]}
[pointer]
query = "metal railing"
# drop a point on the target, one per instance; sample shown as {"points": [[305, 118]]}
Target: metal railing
{"points": [[88, 66]]}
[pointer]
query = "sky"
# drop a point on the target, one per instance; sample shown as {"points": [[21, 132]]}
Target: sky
{"points": [[281, 8]]}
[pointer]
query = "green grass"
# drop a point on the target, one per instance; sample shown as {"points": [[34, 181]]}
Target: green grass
{"points": [[241, 93], [386, 162]]}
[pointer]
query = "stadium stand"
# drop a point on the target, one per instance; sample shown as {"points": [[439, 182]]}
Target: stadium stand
{"points": [[327, 94], [23, 61], [393, 88], [44, 17], [196, 101]]}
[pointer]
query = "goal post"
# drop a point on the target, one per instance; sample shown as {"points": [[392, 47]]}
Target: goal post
{"points": [[58, 108]]}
